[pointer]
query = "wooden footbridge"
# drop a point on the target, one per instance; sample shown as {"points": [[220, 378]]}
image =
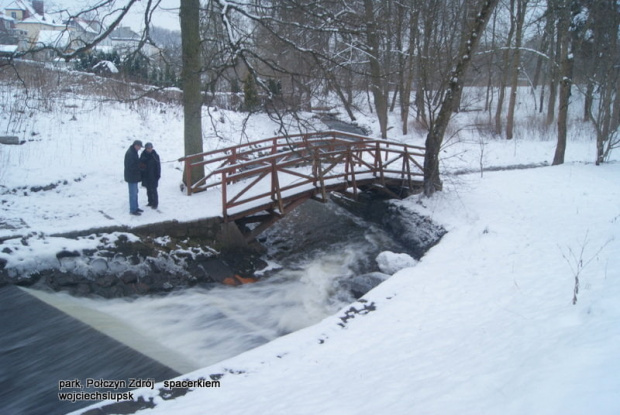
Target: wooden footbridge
{"points": [[261, 181]]}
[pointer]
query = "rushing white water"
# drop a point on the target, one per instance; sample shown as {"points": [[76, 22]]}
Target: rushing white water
{"points": [[312, 252], [196, 327], [193, 328]]}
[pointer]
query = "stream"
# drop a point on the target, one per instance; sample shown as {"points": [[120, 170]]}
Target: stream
{"points": [[312, 253]]}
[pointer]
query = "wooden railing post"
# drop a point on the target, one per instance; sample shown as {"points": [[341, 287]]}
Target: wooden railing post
{"points": [[315, 172], [224, 197], [321, 179], [351, 165], [407, 167], [188, 177], [379, 163], [233, 159], [346, 165], [276, 194]]}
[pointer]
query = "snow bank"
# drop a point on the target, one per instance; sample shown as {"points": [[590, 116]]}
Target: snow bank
{"points": [[390, 262], [483, 324]]}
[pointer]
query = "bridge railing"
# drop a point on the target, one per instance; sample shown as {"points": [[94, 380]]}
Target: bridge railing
{"points": [[271, 173]]}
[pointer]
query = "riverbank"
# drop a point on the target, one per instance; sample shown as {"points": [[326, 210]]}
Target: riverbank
{"points": [[115, 263], [162, 257]]}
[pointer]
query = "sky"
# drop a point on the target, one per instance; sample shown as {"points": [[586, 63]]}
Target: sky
{"points": [[484, 323]]}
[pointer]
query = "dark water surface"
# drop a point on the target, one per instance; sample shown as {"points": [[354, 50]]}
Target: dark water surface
{"points": [[40, 346]]}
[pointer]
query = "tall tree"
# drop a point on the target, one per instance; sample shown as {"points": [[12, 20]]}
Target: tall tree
{"points": [[514, 69], [566, 76], [190, 81], [376, 68], [504, 72], [406, 38], [554, 53], [603, 74], [434, 139]]}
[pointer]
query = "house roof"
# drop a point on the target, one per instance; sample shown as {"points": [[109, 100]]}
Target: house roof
{"points": [[8, 49], [124, 33], [54, 38], [32, 15], [84, 26], [6, 18], [20, 5]]}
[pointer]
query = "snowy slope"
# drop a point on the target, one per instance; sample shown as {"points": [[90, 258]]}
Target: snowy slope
{"points": [[484, 324]]}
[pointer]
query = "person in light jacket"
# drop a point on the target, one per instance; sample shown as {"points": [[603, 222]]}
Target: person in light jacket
{"points": [[133, 176], [149, 161]]}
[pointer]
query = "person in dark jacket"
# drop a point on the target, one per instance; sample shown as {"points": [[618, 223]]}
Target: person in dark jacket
{"points": [[133, 176], [149, 160]]}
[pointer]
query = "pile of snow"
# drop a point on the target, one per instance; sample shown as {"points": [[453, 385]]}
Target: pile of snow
{"points": [[390, 262]]}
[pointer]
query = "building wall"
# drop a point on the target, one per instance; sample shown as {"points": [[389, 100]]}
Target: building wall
{"points": [[14, 14], [33, 29]]}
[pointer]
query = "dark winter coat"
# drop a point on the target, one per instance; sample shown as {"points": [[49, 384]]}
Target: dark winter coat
{"points": [[132, 166], [151, 168]]}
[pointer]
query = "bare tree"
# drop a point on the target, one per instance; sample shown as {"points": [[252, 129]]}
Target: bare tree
{"points": [[434, 139], [554, 53], [505, 64], [600, 64], [566, 69], [190, 79], [407, 15], [514, 68], [376, 69]]}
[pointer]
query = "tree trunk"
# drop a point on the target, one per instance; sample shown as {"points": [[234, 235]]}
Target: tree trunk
{"points": [[488, 102], [539, 62], [423, 82], [406, 72], [376, 75], [566, 75], [346, 100], [514, 82], [190, 79], [436, 133], [553, 82], [587, 102], [504, 75], [413, 38]]}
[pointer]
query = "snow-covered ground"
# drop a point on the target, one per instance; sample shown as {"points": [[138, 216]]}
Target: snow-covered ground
{"points": [[483, 324]]}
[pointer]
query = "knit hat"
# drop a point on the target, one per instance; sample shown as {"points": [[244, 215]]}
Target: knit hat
{"points": [[148, 145], [137, 143]]}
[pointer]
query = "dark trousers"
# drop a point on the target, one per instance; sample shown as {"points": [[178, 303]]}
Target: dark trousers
{"points": [[151, 194]]}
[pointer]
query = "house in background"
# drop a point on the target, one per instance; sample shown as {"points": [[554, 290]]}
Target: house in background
{"points": [[30, 19], [125, 41], [11, 38], [36, 28], [51, 41], [47, 37]]}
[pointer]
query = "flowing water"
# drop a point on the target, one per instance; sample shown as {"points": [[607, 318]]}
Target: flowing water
{"points": [[310, 253]]}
